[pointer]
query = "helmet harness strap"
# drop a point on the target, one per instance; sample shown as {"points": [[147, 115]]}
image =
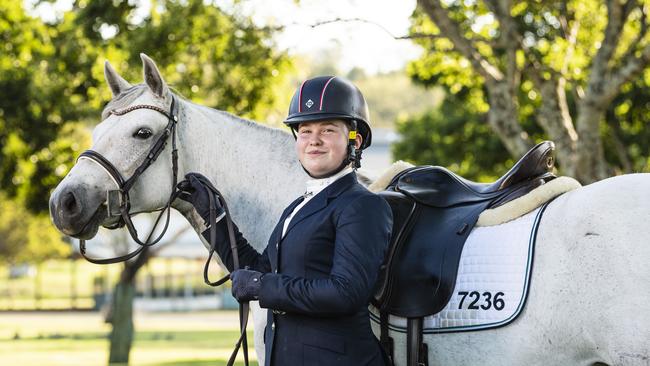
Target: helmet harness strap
{"points": [[354, 154]]}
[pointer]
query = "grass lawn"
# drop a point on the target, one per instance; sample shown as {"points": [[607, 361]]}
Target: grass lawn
{"points": [[79, 338]]}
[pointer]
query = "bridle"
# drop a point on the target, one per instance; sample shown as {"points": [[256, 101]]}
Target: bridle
{"points": [[119, 204]]}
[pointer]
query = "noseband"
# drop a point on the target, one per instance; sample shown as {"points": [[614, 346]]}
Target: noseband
{"points": [[118, 202]]}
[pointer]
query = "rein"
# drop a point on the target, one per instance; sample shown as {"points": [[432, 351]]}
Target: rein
{"points": [[118, 204]]}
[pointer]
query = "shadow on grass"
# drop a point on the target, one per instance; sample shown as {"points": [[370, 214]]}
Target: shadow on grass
{"points": [[194, 339], [217, 362]]}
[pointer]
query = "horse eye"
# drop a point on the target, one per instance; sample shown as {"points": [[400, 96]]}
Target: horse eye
{"points": [[143, 133]]}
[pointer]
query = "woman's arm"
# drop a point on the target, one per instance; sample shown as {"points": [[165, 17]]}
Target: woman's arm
{"points": [[248, 256]]}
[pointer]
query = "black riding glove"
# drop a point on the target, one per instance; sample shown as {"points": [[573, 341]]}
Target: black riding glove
{"points": [[246, 284], [196, 189]]}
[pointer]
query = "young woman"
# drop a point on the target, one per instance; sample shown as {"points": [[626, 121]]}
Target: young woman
{"points": [[319, 268]]}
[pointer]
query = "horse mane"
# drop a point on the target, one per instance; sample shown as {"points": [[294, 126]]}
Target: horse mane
{"points": [[124, 99], [250, 123]]}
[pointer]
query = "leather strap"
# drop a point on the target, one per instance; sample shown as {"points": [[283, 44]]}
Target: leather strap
{"points": [[244, 307], [384, 339], [416, 350]]}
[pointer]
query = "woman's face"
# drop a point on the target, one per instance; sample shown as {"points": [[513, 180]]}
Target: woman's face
{"points": [[322, 145]]}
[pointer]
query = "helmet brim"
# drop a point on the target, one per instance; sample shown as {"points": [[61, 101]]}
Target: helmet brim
{"points": [[316, 117]]}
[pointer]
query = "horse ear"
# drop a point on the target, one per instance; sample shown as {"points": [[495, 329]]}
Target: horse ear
{"points": [[114, 80], [152, 76]]}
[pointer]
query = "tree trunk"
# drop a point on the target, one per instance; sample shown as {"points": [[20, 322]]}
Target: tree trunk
{"points": [[503, 117], [591, 157], [554, 117], [121, 311], [121, 336]]}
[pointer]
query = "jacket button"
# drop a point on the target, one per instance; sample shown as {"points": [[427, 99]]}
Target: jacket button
{"points": [[272, 326], [277, 245]]}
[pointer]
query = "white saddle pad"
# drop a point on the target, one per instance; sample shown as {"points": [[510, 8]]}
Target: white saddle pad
{"points": [[492, 282]]}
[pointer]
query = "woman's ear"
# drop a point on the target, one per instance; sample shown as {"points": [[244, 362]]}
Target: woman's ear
{"points": [[358, 141]]}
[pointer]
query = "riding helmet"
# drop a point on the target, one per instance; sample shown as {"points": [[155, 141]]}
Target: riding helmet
{"points": [[330, 97]]}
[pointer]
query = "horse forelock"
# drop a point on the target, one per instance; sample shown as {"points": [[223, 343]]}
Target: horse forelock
{"points": [[125, 99]]}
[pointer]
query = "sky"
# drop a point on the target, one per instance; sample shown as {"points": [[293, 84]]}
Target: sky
{"points": [[368, 44]]}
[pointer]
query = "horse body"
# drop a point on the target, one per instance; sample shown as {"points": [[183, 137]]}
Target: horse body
{"points": [[590, 288], [589, 292]]}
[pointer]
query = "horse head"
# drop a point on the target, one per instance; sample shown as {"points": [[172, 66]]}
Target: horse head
{"points": [[132, 122]]}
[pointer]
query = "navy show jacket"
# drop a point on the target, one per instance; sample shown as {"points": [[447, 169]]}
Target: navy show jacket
{"points": [[320, 277]]}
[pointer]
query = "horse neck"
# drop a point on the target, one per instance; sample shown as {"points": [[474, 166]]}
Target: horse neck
{"points": [[255, 167]]}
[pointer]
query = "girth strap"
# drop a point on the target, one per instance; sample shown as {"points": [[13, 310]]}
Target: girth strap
{"points": [[417, 351], [384, 339]]}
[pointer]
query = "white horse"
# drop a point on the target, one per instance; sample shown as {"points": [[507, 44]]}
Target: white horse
{"points": [[590, 297]]}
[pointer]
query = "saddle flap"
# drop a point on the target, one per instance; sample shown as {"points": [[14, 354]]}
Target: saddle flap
{"points": [[403, 210], [421, 264]]}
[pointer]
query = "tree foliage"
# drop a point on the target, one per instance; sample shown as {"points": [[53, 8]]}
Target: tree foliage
{"points": [[393, 96], [452, 136], [26, 237], [52, 90], [561, 63], [52, 85]]}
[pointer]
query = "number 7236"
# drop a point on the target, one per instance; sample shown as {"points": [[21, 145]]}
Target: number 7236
{"points": [[488, 302]]}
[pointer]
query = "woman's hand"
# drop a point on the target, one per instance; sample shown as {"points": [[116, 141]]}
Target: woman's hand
{"points": [[246, 284], [196, 189]]}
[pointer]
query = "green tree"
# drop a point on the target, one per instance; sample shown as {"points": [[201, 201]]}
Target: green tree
{"points": [[627, 133], [35, 104], [452, 136], [561, 62], [52, 85], [25, 237], [394, 96], [52, 90]]}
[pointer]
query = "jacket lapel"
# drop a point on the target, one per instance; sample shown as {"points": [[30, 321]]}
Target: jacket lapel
{"points": [[321, 200], [277, 233]]}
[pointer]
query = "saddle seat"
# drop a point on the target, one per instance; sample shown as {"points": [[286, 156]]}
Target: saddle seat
{"points": [[434, 211], [438, 187]]}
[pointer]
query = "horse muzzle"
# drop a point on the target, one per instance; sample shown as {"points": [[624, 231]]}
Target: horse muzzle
{"points": [[75, 212]]}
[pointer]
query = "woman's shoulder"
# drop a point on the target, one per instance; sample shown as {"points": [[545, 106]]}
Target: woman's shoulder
{"points": [[358, 194]]}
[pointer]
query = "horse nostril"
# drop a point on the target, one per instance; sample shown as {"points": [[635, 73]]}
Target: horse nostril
{"points": [[70, 205]]}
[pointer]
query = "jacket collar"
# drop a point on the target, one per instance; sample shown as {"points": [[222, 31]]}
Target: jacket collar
{"points": [[340, 185], [319, 201]]}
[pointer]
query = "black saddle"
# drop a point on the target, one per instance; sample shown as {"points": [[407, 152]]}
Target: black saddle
{"points": [[434, 211]]}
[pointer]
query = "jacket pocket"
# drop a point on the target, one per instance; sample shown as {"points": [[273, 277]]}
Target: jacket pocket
{"points": [[325, 340], [322, 348]]}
